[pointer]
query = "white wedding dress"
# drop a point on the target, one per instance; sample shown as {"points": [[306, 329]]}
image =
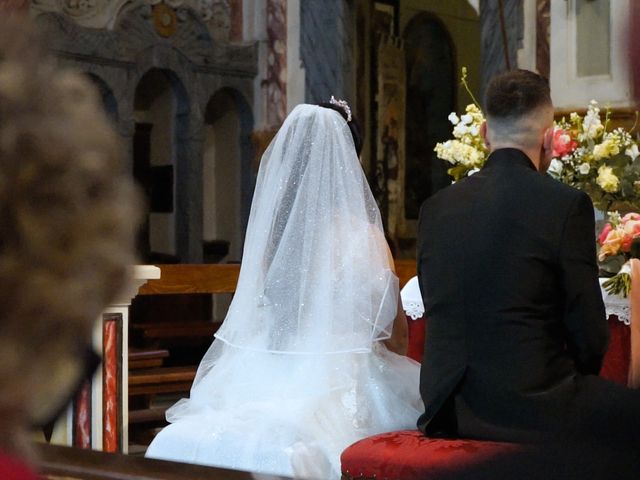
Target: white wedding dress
{"points": [[297, 371]]}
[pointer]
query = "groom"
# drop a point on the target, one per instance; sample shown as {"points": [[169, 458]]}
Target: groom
{"points": [[507, 268]]}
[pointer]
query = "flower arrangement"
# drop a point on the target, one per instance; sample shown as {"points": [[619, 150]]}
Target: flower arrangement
{"points": [[602, 163], [586, 154], [467, 151], [619, 241]]}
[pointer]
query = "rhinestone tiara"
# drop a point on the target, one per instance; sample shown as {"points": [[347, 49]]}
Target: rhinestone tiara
{"points": [[343, 105]]}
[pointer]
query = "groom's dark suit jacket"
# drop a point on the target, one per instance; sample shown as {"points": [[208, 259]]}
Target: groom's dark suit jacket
{"points": [[516, 324]]}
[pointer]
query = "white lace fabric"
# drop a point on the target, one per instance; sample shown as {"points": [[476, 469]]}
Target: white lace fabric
{"points": [[616, 305], [412, 299]]}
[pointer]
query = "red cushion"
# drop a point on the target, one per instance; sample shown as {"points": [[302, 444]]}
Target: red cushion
{"points": [[408, 455], [616, 361], [416, 338]]}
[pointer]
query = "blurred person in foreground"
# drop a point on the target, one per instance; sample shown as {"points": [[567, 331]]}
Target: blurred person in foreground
{"points": [[67, 219]]}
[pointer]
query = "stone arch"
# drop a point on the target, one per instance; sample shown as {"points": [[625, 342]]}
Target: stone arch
{"points": [[161, 109], [227, 167], [107, 95], [431, 96]]}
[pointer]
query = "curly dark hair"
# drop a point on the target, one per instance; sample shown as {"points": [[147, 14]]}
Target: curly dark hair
{"points": [[68, 215]]}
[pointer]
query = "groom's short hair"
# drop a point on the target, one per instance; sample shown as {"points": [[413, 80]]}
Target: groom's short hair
{"points": [[513, 94]]}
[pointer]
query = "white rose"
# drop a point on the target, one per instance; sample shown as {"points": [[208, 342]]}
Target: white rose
{"points": [[474, 130], [632, 151], [466, 119], [555, 168], [460, 130], [584, 168], [453, 118]]}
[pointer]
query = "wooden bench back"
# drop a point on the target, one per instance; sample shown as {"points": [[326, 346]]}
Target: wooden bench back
{"points": [[57, 462], [223, 278]]}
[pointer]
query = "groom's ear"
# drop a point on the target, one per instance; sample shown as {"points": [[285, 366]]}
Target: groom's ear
{"points": [[483, 134], [548, 140]]}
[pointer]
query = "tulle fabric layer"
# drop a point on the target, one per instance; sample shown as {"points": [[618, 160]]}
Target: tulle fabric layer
{"points": [[297, 371], [289, 417]]}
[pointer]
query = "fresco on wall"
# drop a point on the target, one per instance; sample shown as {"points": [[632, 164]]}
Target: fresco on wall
{"points": [[389, 165], [431, 86]]}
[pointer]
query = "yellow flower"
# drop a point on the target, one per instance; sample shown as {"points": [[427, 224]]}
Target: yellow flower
{"points": [[606, 149], [607, 179]]}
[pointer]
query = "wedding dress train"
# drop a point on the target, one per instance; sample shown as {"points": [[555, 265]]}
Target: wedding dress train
{"points": [[298, 370]]}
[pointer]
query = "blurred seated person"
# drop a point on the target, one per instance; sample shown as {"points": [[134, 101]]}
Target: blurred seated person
{"points": [[67, 220]]}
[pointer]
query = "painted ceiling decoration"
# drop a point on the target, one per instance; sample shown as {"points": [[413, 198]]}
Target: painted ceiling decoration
{"points": [[103, 14]]}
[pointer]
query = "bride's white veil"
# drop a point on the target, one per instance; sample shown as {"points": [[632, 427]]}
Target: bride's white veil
{"points": [[316, 277]]}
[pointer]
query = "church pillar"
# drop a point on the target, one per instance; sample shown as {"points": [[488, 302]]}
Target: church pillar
{"points": [[276, 81], [326, 49], [543, 32], [236, 32], [126, 128], [502, 29], [13, 6], [189, 169], [274, 85]]}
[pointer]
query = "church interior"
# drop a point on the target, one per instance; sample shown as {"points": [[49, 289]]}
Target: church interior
{"points": [[197, 89]]}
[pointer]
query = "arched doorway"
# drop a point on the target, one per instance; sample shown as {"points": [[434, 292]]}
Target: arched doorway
{"points": [[227, 176], [431, 96], [161, 118], [106, 94]]}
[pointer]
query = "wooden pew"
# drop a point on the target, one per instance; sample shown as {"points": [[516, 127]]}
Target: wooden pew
{"points": [[56, 462], [219, 278], [405, 270], [146, 358], [171, 375], [184, 278]]}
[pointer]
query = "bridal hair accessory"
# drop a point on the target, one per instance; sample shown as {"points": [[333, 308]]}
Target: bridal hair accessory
{"points": [[343, 105]]}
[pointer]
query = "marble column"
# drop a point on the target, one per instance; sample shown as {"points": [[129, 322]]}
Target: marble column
{"points": [[543, 35], [99, 416], [276, 81], [326, 49], [633, 46], [495, 47], [236, 32], [10, 6]]}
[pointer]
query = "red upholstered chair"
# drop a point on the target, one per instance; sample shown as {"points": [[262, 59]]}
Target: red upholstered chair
{"points": [[417, 330], [409, 455], [616, 361]]}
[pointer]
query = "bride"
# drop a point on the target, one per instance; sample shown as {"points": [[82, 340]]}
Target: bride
{"points": [[299, 369]]}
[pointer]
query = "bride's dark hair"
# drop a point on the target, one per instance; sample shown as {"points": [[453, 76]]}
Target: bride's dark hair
{"points": [[354, 126]]}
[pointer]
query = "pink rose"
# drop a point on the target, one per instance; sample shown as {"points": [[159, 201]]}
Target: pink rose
{"points": [[605, 232], [631, 216], [611, 244], [631, 227], [563, 143]]}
